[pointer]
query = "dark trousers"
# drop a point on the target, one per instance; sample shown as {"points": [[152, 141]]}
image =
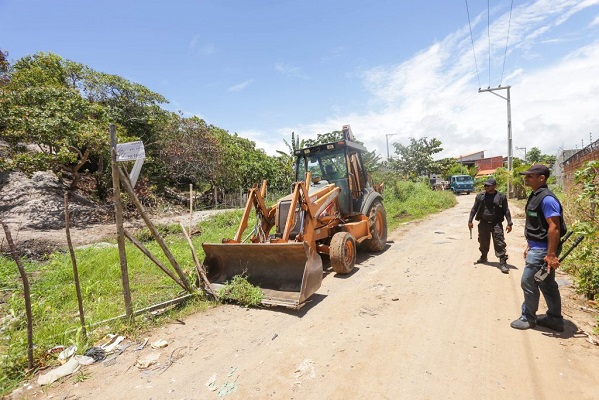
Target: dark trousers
{"points": [[486, 230]]}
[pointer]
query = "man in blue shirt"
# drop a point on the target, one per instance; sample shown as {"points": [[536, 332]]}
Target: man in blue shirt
{"points": [[543, 229]]}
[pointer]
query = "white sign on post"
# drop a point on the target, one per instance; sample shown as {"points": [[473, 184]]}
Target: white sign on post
{"points": [[129, 152]]}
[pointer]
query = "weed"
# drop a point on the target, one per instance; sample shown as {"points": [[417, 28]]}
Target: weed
{"points": [[240, 291], [81, 376]]}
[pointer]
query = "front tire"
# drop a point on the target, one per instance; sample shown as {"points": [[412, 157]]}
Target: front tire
{"points": [[342, 252], [377, 217]]}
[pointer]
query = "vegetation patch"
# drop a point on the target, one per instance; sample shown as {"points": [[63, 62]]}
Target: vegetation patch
{"points": [[240, 291]]}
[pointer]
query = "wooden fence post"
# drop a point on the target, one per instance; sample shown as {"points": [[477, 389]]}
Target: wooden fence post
{"points": [[74, 262], [26, 292], [118, 212]]}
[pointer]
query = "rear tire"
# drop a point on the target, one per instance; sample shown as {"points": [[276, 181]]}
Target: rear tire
{"points": [[342, 252], [378, 228]]}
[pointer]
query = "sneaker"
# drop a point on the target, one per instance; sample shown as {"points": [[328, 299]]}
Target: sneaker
{"points": [[552, 323], [522, 323], [481, 260], [503, 267]]}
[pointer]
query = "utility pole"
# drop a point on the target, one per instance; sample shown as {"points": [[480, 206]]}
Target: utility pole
{"points": [[522, 148], [387, 136], [510, 190]]}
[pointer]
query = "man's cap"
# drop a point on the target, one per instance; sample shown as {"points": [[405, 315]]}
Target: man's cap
{"points": [[490, 181], [539, 169]]}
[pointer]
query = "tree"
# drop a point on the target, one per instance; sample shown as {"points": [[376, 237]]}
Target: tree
{"points": [[64, 108], [38, 107], [188, 152], [416, 159], [4, 67], [535, 155]]}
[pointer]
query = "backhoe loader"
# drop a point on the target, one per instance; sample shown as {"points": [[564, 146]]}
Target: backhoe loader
{"points": [[333, 208]]}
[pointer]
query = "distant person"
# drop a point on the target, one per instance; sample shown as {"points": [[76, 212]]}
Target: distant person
{"points": [[490, 209], [543, 229]]}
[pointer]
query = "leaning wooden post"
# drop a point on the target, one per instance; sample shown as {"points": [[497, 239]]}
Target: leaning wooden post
{"points": [[190, 206], [199, 266], [74, 262], [147, 252], [153, 230], [118, 212], [26, 293]]}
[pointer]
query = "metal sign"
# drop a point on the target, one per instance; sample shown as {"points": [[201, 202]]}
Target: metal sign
{"points": [[132, 151]]}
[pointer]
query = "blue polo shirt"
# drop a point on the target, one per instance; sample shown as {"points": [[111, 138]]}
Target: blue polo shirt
{"points": [[550, 208]]}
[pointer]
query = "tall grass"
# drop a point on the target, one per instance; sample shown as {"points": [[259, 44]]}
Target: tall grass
{"points": [[407, 201]]}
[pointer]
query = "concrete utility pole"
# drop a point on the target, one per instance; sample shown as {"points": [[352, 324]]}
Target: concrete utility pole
{"points": [[522, 148], [510, 191], [387, 136]]}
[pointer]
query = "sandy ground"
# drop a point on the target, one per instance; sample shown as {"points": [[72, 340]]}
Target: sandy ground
{"points": [[417, 321]]}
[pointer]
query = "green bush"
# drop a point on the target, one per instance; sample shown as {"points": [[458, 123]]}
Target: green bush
{"points": [[240, 291]]}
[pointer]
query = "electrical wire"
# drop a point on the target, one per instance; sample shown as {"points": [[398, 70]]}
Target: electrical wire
{"points": [[507, 38], [472, 41], [489, 38]]}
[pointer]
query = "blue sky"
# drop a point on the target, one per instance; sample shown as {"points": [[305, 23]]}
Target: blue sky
{"points": [[265, 68]]}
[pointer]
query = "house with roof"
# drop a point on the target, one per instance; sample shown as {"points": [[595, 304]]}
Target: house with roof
{"points": [[485, 165]]}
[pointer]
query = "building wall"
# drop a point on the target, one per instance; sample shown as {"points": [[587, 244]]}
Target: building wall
{"points": [[489, 163], [558, 166], [591, 152]]}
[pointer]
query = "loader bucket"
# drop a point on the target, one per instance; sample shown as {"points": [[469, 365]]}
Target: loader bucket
{"points": [[288, 273]]}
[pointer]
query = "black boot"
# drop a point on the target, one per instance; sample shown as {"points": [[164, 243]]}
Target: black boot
{"points": [[503, 265], [481, 260]]}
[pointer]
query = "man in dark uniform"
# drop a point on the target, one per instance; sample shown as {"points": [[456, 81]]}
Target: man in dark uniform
{"points": [[544, 227], [490, 208]]}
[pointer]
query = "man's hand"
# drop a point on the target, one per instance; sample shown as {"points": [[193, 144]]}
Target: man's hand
{"points": [[526, 251], [508, 229], [552, 261], [470, 225]]}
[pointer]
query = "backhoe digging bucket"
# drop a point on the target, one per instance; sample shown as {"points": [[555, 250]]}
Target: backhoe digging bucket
{"points": [[288, 273]]}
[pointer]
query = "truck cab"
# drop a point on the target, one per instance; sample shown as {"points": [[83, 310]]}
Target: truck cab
{"points": [[461, 184]]}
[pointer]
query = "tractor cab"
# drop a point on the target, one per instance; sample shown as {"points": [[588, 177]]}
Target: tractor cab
{"points": [[339, 163]]}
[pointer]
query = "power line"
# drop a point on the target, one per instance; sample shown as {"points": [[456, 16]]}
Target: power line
{"points": [[472, 41], [506, 41], [489, 38]]}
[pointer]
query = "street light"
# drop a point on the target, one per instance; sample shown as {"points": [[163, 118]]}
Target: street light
{"points": [[387, 136], [510, 193], [522, 148]]}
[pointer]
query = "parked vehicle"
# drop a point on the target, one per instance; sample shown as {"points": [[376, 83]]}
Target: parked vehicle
{"points": [[461, 184]]}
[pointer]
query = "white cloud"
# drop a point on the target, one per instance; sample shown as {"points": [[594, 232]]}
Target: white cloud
{"points": [[435, 92], [240, 86], [195, 47], [289, 70]]}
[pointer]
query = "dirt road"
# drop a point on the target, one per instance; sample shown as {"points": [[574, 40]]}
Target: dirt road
{"points": [[418, 321]]}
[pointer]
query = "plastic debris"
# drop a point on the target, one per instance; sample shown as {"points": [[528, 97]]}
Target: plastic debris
{"points": [[97, 353], [227, 388], [110, 361], [211, 383], [67, 353], [142, 345], [110, 346], [148, 361], [159, 344], [66, 369], [85, 360], [56, 349]]}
